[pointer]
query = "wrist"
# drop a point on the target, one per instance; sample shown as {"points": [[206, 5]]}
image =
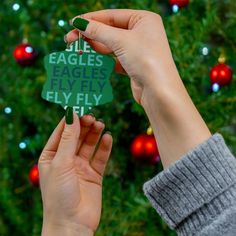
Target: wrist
{"points": [[174, 118], [162, 83], [159, 71], [67, 229]]}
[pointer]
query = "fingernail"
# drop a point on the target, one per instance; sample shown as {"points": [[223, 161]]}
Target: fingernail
{"points": [[65, 39], [101, 120], [108, 132], [69, 115], [80, 23]]}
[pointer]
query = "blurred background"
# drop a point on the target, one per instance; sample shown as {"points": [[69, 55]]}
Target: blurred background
{"points": [[202, 36]]}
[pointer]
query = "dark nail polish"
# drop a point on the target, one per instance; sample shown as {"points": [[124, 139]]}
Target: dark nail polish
{"points": [[69, 115], [80, 23]]}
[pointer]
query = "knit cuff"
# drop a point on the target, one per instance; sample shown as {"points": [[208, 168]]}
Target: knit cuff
{"points": [[195, 184]]}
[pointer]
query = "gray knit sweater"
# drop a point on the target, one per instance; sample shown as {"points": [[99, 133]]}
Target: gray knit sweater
{"points": [[197, 194]]}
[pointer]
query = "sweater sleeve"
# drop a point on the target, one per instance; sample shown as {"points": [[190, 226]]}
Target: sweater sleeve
{"points": [[197, 194]]}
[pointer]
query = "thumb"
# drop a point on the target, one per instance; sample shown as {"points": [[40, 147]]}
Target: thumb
{"points": [[69, 139], [105, 34]]}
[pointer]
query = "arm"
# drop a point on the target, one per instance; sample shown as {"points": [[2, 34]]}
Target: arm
{"points": [[138, 40], [176, 123]]}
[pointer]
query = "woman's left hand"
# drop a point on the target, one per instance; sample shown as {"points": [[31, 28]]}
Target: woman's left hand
{"points": [[71, 171]]}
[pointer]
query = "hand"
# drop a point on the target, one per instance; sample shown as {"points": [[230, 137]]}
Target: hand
{"points": [[138, 40], [71, 176]]}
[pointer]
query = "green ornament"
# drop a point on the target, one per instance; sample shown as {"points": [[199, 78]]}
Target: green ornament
{"points": [[78, 77]]}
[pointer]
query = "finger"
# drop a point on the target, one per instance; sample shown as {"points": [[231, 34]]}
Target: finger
{"points": [[88, 146], [114, 17], [101, 157], [86, 123], [53, 142], [69, 139], [117, 18], [98, 47], [72, 36], [102, 33], [49, 150]]}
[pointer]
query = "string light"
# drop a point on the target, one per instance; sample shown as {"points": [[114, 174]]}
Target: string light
{"points": [[15, 6], [215, 87], [22, 145], [175, 8], [205, 51], [29, 49], [61, 23], [7, 110]]}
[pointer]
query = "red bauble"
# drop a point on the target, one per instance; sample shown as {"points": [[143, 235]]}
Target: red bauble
{"points": [[144, 148], [34, 175], [24, 54], [179, 3], [221, 74]]}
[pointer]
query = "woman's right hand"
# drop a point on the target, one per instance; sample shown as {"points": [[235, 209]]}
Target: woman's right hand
{"points": [[138, 40]]}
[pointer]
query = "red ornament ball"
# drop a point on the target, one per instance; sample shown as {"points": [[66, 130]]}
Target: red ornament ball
{"points": [[34, 175], [144, 148], [24, 54], [221, 74], [179, 3]]}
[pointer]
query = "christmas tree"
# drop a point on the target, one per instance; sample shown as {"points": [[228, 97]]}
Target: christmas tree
{"points": [[202, 36]]}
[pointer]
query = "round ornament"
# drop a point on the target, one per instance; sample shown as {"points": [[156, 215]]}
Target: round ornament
{"points": [[144, 148], [34, 175], [221, 74], [24, 54], [179, 3]]}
